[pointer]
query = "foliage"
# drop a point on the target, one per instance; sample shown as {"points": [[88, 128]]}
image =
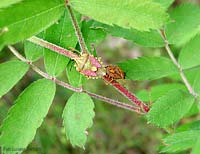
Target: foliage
{"points": [[78, 114], [26, 115], [172, 86]]}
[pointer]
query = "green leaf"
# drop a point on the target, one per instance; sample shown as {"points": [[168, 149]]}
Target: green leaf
{"points": [[196, 149], [190, 53], [61, 34], [145, 68], [148, 39], [170, 108], [185, 24], [193, 76], [28, 18], [74, 77], [189, 126], [92, 36], [10, 73], [78, 114], [164, 3], [180, 141], [6, 3], [33, 51], [157, 91], [141, 15], [26, 115]]}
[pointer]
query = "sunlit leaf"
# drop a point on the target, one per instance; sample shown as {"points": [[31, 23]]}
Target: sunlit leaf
{"points": [[141, 15], [6, 3]]}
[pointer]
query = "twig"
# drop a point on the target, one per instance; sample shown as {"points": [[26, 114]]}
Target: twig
{"points": [[183, 77], [127, 94], [53, 47], [81, 41], [65, 85]]}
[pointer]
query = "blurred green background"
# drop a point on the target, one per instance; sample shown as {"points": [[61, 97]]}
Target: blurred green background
{"points": [[115, 131]]}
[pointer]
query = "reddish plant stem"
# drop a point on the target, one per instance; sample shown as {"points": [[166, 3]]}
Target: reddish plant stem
{"points": [[65, 85], [127, 94], [53, 47], [114, 102]]}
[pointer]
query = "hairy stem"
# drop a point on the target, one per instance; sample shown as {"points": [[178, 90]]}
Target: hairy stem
{"points": [[65, 85], [127, 94], [81, 41], [53, 47], [170, 53]]}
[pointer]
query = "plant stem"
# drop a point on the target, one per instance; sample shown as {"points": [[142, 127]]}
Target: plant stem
{"points": [[81, 41], [53, 47], [170, 53], [127, 94], [65, 85]]}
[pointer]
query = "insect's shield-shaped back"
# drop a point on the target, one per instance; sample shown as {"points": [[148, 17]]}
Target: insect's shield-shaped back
{"points": [[90, 66]]}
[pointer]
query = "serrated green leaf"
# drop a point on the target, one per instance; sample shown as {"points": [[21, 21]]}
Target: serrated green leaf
{"points": [[6, 3], [92, 36], [185, 24], [26, 115], [164, 3], [10, 73], [74, 77], [148, 39], [61, 34], [170, 108], [196, 148], [146, 68], [189, 126], [141, 15], [190, 53], [157, 91], [28, 18], [78, 114], [180, 141]]}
